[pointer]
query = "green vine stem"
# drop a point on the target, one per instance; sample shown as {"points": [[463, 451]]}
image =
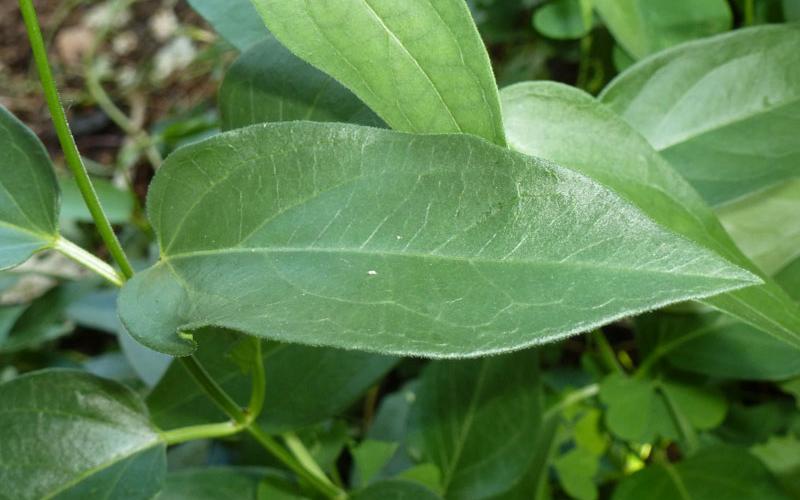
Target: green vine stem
{"points": [[246, 421], [259, 381], [88, 260], [67, 141]]}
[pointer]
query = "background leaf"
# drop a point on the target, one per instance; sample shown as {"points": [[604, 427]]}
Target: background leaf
{"points": [[73, 435], [397, 243], [761, 228], [395, 489], [722, 111], [564, 19], [410, 86], [28, 193], [713, 473], [270, 84], [479, 419], [643, 27], [235, 20]]}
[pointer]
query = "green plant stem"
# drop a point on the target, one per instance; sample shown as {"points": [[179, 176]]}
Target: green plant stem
{"points": [[67, 141], [683, 425], [205, 431], [302, 454], [259, 381], [749, 12], [606, 352], [88, 260], [247, 422], [572, 398]]}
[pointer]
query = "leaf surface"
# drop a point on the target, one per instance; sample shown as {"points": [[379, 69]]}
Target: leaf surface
{"points": [[270, 84], [383, 51], [643, 27], [723, 111], [28, 193], [570, 127], [367, 239], [68, 434], [479, 419], [715, 472]]}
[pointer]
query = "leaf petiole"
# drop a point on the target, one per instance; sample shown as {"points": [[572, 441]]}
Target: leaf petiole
{"points": [[88, 260]]}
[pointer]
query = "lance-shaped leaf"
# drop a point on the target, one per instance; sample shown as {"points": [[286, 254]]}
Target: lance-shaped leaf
{"points": [[68, 434], [28, 193], [723, 111], [480, 420], [235, 20], [305, 384], [383, 51], [643, 27], [569, 126], [270, 84], [361, 238]]}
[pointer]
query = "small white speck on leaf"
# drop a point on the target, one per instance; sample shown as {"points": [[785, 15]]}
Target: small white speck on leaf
{"points": [[372, 272]]}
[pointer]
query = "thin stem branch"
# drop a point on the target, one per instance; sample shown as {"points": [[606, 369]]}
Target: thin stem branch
{"points": [[213, 390], [749, 12], [88, 260], [302, 454], [205, 431], [606, 352], [259, 382], [71, 154], [247, 422], [572, 398]]}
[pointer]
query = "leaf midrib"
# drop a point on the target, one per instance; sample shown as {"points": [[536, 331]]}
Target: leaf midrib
{"points": [[471, 260]]}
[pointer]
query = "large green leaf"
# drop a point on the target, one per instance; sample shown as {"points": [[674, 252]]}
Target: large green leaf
{"points": [[28, 193], [68, 434], [360, 238], [478, 420], [235, 20], [713, 473], [419, 64], [570, 127], [304, 384], [643, 27], [270, 84], [723, 111]]}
